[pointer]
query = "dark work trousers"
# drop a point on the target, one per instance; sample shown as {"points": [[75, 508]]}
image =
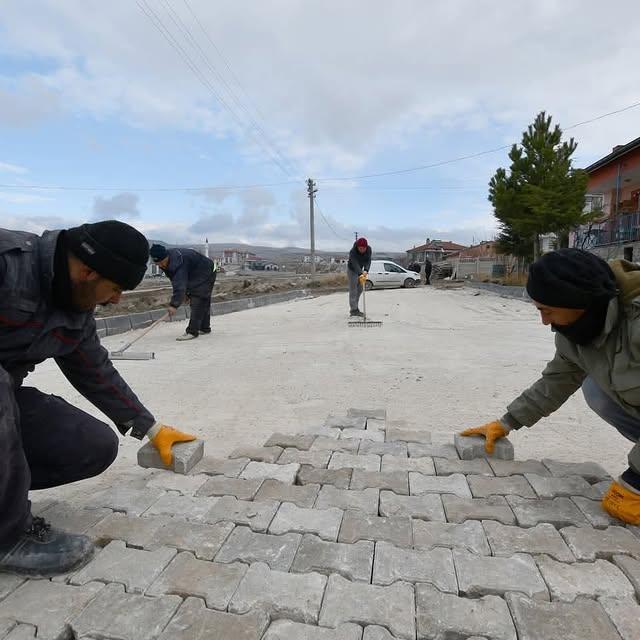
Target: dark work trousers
{"points": [[44, 442], [427, 274], [200, 303]]}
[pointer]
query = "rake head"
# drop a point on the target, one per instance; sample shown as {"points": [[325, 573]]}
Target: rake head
{"points": [[365, 323]]}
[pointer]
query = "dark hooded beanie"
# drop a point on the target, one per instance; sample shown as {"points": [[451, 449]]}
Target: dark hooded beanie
{"points": [[114, 249]]}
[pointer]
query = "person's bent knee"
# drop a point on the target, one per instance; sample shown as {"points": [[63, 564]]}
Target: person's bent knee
{"points": [[105, 449]]}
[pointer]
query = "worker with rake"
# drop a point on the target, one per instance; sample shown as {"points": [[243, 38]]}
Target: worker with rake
{"points": [[357, 271]]}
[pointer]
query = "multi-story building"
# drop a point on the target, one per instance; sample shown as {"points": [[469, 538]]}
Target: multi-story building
{"points": [[435, 250]]}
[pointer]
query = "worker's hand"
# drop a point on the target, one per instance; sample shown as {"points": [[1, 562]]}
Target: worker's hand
{"points": [[172, 311], [166, 438], [362, 278], [492, 431]]}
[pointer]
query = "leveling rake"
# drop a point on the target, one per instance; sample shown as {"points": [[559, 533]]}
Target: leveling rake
{"points": [[120, 354], [364, 322]]}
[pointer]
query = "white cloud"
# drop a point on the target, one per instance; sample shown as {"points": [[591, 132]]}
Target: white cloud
{"points": [[121, 205], [7, 167]]}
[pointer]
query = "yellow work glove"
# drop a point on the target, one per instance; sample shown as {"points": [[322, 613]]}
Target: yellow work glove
{"points": [[492, 431], [622, 503], [362, 278], [165, 438]]}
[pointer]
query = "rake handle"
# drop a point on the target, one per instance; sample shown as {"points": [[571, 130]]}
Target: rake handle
{"points": [[144, 333]]}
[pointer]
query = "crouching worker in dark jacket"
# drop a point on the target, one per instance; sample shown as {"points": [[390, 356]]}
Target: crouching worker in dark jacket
{"points": [[357, 271], [192, 275], [49, 287]]}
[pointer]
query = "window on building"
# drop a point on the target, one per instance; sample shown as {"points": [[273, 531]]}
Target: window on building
{"points": [[593, 202]]}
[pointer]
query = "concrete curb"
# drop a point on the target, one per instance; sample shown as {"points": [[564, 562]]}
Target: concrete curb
{"points": [[518, 293]]}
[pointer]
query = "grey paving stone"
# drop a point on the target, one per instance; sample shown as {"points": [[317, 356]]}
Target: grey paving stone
{"points": [[419, 450], [594, 513], [345, 422], [65, 516], [362, 434], [402, 463], [441, 616], [223, 486], [287, 630], [263, 470], [487, 575], [203, 540], [261, 454], [212, 581], [302, 441], [560, 512], [413, 565], [353, 561], [375, 424], [339, 478], [246, 546], [20, 632], [364, 604], [567, 582], [322, 431], [357, 525], [589, 544], [220, 466], [188, 507], [318, 459], [455, 484], [186, 484], [186, 455], [125, 616], [599, 489], [323, 522], [9, 583], [494, 508], [631, 568], [367, 462], [296, 597], [136, 569], [470, 447], [581, 620], [424, 507], [257, 515], [133, 530], [374, 632], [194, 621], [327, 443], [49, 606], [625, 615], [634, 529], [407, 435], [125, 499], [551, 487], [485, 486], [301, 496], [447, 467], [469, 535], [377, 414], [396, 481], [590, 471], [364, 500], [518, 467], [384, 448], [544, 538]]}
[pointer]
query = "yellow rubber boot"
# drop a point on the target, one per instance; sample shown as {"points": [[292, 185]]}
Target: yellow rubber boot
{"points": [[622, 503]]}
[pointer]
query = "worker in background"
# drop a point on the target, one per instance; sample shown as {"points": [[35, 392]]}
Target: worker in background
{"points": [[594, 309], [192, 276], [428, 267], [357, 271], [49, 288]]}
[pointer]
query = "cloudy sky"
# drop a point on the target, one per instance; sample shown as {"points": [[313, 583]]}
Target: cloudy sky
{"points": [[203, 118]]}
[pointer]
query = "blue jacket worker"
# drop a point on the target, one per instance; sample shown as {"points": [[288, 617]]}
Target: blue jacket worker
{"points": [[192, 275], [357, 271], [49, 287]]}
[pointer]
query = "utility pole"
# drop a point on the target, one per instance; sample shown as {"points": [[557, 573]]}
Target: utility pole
{"points": [[312, 190], [355, 233]]}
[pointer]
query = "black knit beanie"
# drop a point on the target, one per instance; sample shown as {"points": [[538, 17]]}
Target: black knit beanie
{"points": [[158, 252], [114, 249], [572, 279]]}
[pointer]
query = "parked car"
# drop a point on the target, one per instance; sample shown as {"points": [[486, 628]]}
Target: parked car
{"points": [[384, 273]]}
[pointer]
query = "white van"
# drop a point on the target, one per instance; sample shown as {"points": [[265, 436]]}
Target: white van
{"points": [[384, 273]]}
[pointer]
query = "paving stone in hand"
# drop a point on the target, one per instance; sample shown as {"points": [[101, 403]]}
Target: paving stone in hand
{"points": [[494, 508], [357, 525], [471, 447], [323, 522], [425, 507], [485, 486], [287, 630], [469, 535], [301, 496], [589, 544], [339, 478], [300, 441], [454, 484], [560, 512], [364, 500], [260, 454], [367, 462], [402, 463], [551, 487]]}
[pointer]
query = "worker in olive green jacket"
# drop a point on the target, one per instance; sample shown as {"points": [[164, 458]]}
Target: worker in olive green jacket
{"points": [[594, 308]]}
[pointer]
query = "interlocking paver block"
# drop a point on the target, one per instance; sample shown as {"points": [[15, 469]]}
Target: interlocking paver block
{"points": [[419, 450], [410, 565], [518, 467], [384, 448], [301, 496], [187, 484], [581, 620], [345, 422], [494, 508], [186, 455], [374, 632], [258, 515], [194, 621], [246, 546], [441, 616], [455, 484], [447, 467], [426, 507], [590, 471], [591, 579], [220, 466], [589, 544], [631, 568], [223, 486], [212, 581], [65, 516], [9, 583], [322, 431], [407, 435], [49, 606], [327, 443], [486, 575], [339, 478], [362, 434], [318, 459], [296, 597], [560, 512], [357, 525], [377, 414], [353, 561], [300, 441], [125, 616], [402, 463], [376, 424], [551, 487], [367, 462], [133, 530], [203, 540], [323, 522], [594, 513], [287, 630], [20, 632], [625, 615], [126, 499], [134, 568], [364, 604], [261, 454], [469, 535], [543, 538], [263, 470], [599, 489], [396, 481], [485, 486], [364, 500], [188, 507], [470, 447]]}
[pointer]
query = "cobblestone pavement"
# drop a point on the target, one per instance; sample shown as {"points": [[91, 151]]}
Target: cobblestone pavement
{"points": [[356, 530]]}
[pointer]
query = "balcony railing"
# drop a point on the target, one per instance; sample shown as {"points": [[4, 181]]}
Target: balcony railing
{"points": [[617, 230]]}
